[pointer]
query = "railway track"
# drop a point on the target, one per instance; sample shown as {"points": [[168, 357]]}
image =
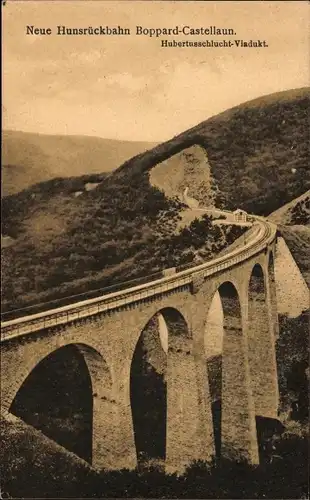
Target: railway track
{"points": [[126, 294]]}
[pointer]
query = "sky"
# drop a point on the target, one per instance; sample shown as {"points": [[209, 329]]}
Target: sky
{"points": [[129, 87]]}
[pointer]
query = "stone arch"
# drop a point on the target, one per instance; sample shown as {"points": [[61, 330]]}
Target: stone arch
{"points": [[257, 271], [261, 344], [165, 335], [261, 348], [57, 373], [233, 416], [148, 393], [174, 361]]}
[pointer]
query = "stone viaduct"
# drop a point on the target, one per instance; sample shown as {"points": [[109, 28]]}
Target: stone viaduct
{"points": [[106, 331]]}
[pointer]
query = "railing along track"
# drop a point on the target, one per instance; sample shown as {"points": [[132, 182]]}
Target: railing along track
{"points": [[78, 310]]}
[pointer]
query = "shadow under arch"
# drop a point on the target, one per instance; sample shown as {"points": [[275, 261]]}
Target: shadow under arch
{"points": [[165, 332], [261, 352], [258, 331], [213, 347], [233, 421], [58, 397], [273, 293], [257, 281]]}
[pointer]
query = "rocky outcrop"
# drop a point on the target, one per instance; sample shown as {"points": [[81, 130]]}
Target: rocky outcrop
{"points": [[186, 175]]}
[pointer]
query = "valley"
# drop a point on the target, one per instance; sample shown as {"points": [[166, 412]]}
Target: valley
{"points": [[95, 238], [29, 158], [95, 227]]}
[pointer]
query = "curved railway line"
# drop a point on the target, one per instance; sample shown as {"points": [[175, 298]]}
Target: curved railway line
{"points": [[261, 237]]}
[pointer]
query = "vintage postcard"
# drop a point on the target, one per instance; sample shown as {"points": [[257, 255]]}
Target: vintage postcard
{"points": [[155, 249]]}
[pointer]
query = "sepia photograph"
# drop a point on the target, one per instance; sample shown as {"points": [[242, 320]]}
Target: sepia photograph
{"points": [[155, 202]]}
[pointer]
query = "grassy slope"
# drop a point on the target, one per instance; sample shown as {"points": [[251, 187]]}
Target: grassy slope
{"points": [[28, 158], [296, 211], [121, 229], [293, 221], [96, 240], [32, 465], [67, 478], [51, 473], [27, 472], [258, 151], [297, 239]]}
